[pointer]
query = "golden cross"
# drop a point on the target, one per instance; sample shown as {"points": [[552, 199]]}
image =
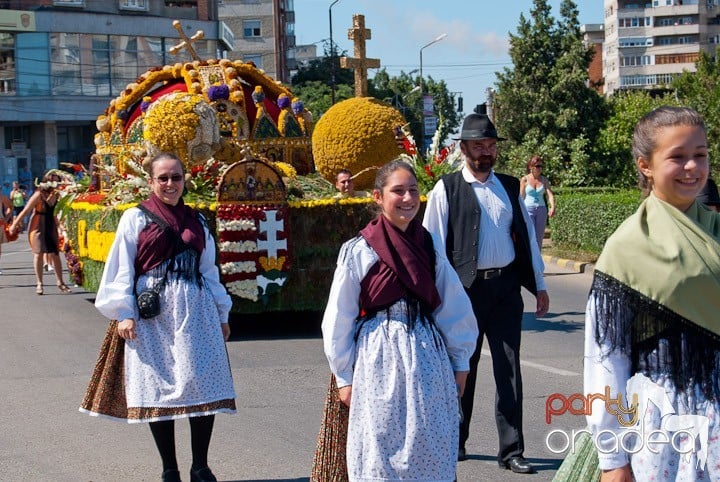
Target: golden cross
{"points": [[187, 42], [359, 34]]}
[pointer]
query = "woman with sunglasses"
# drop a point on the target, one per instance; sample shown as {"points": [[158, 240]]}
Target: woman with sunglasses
{"points": [[175, 363], [533, 188]]}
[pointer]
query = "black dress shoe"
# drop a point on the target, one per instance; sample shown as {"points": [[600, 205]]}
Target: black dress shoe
{"points": [[461, 454], [171, 475], [519, 465], [202, 475]]}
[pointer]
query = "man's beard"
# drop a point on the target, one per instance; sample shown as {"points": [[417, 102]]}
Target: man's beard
{"points": [[480, 164]]}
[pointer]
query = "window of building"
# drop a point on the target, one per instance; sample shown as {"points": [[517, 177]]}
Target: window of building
{"points": [[634, 22], [634, 60], [69, 3], [141, 5], [255, 59], [635, 42], [677, 58], [7, 63], [252, 28]]}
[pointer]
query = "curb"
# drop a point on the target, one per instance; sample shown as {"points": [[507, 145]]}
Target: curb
{"points": [[577, 266]]}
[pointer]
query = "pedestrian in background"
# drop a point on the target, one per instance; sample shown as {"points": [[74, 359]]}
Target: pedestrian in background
{"points": [[534, 187], [5, 216], [398, 333], [652, 328], [481, 222], [18, 197], [43, 230]]}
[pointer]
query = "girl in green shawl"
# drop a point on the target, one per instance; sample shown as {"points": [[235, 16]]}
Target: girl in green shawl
{"points": [[653, 316]]}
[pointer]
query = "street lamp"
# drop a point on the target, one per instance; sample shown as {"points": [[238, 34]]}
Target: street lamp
{"points": [[437, 39], [332, 53], [422, 99]]}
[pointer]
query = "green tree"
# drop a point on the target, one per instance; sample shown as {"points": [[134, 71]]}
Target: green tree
{"points": [[543, 102], [317, 95], [614, 143], [701, 91], [313, 83]]}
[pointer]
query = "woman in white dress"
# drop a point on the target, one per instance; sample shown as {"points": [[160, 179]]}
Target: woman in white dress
{"points": [[398, 333], [175, 363]]}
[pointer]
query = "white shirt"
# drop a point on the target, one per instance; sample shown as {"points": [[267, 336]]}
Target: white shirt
{"points": [[495, 246], [454, 317], [604, 370], [116, 298]]}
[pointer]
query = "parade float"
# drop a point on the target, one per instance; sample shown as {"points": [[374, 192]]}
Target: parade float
{"points": [[250, 150]]}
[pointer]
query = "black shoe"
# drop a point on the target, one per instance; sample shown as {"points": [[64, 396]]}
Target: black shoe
{"points": [[461, 454], [202, 475], [171, 475], [519, 465]]}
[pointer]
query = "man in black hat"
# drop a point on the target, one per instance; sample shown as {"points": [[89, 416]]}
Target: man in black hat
{"points": [[481, 218]]}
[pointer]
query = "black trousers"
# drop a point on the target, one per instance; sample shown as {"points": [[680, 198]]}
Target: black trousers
{"points": [[498, 307]]}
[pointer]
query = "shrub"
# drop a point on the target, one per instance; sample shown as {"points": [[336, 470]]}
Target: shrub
{"points": [[585, 218]]}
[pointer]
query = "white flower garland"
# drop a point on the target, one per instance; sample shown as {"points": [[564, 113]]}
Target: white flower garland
{"points": [[238, 267], [236, 225], [238, 246], [247, 289]]}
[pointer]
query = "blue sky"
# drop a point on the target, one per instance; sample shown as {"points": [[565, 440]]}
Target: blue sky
{"points": [[475, 47]]}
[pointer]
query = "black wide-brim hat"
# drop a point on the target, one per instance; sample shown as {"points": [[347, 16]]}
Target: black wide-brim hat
{"points": [[476, 127]]}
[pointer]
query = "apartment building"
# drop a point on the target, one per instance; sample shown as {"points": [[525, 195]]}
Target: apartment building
{"points": [[264, 34], [649, 42], [62, 61], [593, 37]]}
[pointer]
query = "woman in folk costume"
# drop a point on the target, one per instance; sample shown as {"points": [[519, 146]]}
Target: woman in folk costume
{"points": [[653, 315], [398, 333], [175, 363]]}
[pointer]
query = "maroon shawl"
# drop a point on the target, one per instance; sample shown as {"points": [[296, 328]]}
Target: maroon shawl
{"points": [[156, 244], [404, 266]]}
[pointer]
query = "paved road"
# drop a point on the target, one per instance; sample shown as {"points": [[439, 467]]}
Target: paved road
{"points": [[49, 343]]}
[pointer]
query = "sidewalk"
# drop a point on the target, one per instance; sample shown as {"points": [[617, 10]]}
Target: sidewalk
{"points": [[577, 266]]}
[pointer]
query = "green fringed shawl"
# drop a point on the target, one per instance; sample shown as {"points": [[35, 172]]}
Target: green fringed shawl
{"points": [[658, 277]]}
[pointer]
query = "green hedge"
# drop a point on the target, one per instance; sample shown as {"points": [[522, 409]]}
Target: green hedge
{"points": [[584, 219]]}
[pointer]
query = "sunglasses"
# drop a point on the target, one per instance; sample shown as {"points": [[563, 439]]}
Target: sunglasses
{"points": [[539, 166], [174, 178]]}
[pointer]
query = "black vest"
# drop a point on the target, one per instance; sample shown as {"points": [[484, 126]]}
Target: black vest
{"points": [[463, 230]]}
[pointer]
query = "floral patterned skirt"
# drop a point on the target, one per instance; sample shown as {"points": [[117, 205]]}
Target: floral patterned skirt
{"points": [[329, 463], [105, 395]]}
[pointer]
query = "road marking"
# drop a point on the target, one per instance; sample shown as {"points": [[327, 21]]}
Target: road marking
{"points": [[545, 368]]}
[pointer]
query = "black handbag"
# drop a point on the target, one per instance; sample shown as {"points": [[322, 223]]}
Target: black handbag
{"points": [[148, 301]]}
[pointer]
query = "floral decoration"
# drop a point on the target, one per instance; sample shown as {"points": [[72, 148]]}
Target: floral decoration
{"points": [[244, 231], [74, 264], [201, 181], [356, 134], [435, 163]]}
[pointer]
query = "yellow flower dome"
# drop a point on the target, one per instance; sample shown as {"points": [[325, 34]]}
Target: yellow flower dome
{"points": [[356, 134], [183, 124]]}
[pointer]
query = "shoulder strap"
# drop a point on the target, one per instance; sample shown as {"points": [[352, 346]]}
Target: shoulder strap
{"points": [[430, 248], [153, 217]]}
